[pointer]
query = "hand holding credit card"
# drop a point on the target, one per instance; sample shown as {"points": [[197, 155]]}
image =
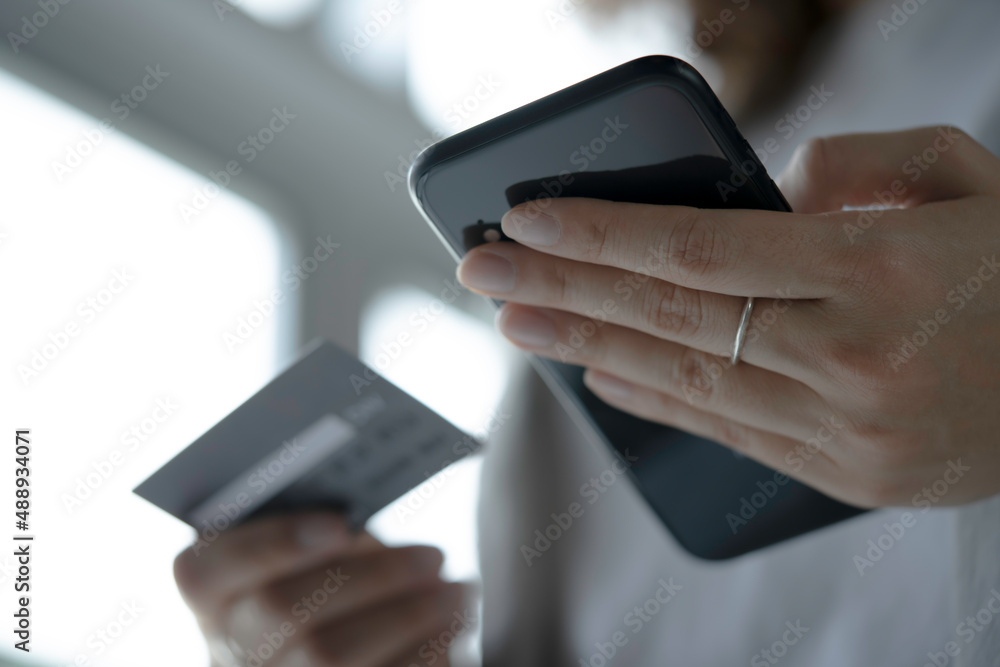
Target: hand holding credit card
{"points": [[327, 433]]}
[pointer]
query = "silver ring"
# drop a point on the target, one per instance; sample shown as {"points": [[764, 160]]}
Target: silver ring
{"points": [[741, 333]]}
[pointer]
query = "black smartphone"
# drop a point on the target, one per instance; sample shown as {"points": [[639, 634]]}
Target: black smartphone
{"points": [[649, 131]]}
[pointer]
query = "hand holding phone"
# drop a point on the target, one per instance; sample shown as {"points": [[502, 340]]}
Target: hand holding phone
{"points": [[651, 133]]}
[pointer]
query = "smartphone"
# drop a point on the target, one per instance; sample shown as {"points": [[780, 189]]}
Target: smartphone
{"points": [[649, 131]]}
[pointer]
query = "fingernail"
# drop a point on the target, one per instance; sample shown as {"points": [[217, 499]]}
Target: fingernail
{"points": [[487, 272], [535, 228], [527, 326], [316, 532], [609, 385]]}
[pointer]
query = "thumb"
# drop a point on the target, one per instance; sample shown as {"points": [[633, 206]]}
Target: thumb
{"points": [[893, 169]]}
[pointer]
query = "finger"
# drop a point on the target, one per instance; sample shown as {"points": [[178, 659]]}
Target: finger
{"points": [[738, 252], [747, 394], [773, 450], [331, 591], [703, 320], [210, 573], [383, 634], [905, 168]]}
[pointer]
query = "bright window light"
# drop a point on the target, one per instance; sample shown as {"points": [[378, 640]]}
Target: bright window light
{"points": [[367, 40], [458, 366], [525, 49], [115, 312], [275, 13]]}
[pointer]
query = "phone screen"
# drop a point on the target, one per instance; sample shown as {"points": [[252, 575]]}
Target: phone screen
{"points": [[644, 144]]}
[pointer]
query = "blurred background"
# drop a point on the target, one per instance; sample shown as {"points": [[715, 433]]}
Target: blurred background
{"points": [[168, 165], [120, 119]]}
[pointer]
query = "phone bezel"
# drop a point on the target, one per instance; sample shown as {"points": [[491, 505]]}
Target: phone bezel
{"points": [[650, 70]]}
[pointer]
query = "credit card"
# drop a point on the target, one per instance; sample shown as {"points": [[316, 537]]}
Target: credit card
{"points": [[328, 433]]}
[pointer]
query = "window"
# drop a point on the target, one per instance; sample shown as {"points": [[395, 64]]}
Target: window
{"points": [[115, 314], [456, 365]]}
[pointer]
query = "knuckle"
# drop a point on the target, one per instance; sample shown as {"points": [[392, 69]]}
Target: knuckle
{"points": [[814, 158], [696, 245], [596, 348], [562, 278], [858, 366], [671, 310], [890, 262], [602, 236], [884, 447], [888, 448], [847, 356], [868, 271], [963, 142], [694, 373], [870, 370], [951, 145], [733, 435]]}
